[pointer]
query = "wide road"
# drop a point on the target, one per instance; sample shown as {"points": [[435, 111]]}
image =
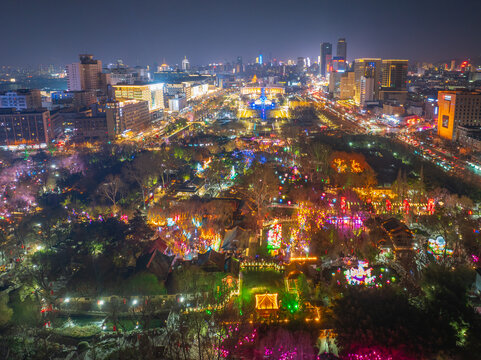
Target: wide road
{"points": [[355, 123]]}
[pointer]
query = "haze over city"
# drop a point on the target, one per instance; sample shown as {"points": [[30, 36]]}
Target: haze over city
{"points": [[144, 32]]}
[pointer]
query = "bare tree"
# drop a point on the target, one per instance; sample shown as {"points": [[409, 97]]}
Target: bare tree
{"points": [[111, 189]]}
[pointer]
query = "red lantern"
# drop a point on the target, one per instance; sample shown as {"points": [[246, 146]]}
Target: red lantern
{"points": [[388, 205]]}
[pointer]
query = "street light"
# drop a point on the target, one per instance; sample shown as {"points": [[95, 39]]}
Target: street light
{"points": [[134, 302]]}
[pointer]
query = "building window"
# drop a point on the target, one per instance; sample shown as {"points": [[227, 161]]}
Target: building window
{"points": [[445, 121]]}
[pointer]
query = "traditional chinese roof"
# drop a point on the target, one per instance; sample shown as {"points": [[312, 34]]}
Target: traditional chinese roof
{"points": [[266, 302]]}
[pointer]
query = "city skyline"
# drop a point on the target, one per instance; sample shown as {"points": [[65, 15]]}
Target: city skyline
{"points": [[153, 32]]}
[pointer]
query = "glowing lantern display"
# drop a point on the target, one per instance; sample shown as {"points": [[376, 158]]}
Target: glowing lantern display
{"points": [[360, 275], [437, 247], [431, 206], [406, 206], [388, 205], [274, 236], [343, 204]]}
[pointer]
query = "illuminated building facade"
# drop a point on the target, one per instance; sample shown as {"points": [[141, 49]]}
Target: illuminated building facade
{"points": [[177, 103], [257, 90], [366, 90], [394, 74], [152, 93], [458, 108], [26, 127], [368, 68], [338, 64], [347, 86], [326, 56]]}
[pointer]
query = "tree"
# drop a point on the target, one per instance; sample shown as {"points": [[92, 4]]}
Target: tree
{"points": [[315, 160], [260, 186], [383, 318], [142, 170], [111, 189], [217, 173]]}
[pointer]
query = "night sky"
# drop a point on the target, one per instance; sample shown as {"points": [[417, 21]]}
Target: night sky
{"points": [[147, 31]]}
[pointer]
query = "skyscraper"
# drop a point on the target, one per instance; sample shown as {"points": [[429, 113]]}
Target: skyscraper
{"points": [[341, 48], [85, 75], [301, 64], [185, 64], [326, 56], [394, 74], [369, 69], [239, 68]]}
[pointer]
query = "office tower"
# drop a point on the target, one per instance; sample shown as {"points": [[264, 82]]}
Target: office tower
{"points": [[25, 127], [335, 83], [394, 81], [341, 48], [367, 68], [300, 64], [85, 75], [458, 108], [185, 64], [239, 68], [367, 90], [23, 99], [326, 56], [394, 74]]}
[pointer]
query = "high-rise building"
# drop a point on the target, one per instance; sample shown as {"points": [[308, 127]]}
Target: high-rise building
{"points": [[326, 56], [301, 64], [347, 86], [394, 81], [85, 75], [341, 48], [394, 74], [239, 68], [24, 99], [453, 65], [185, 64], [335, 83], [367, 68], [25, 127], [367, 90], [458, 108], [338, 64]]}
